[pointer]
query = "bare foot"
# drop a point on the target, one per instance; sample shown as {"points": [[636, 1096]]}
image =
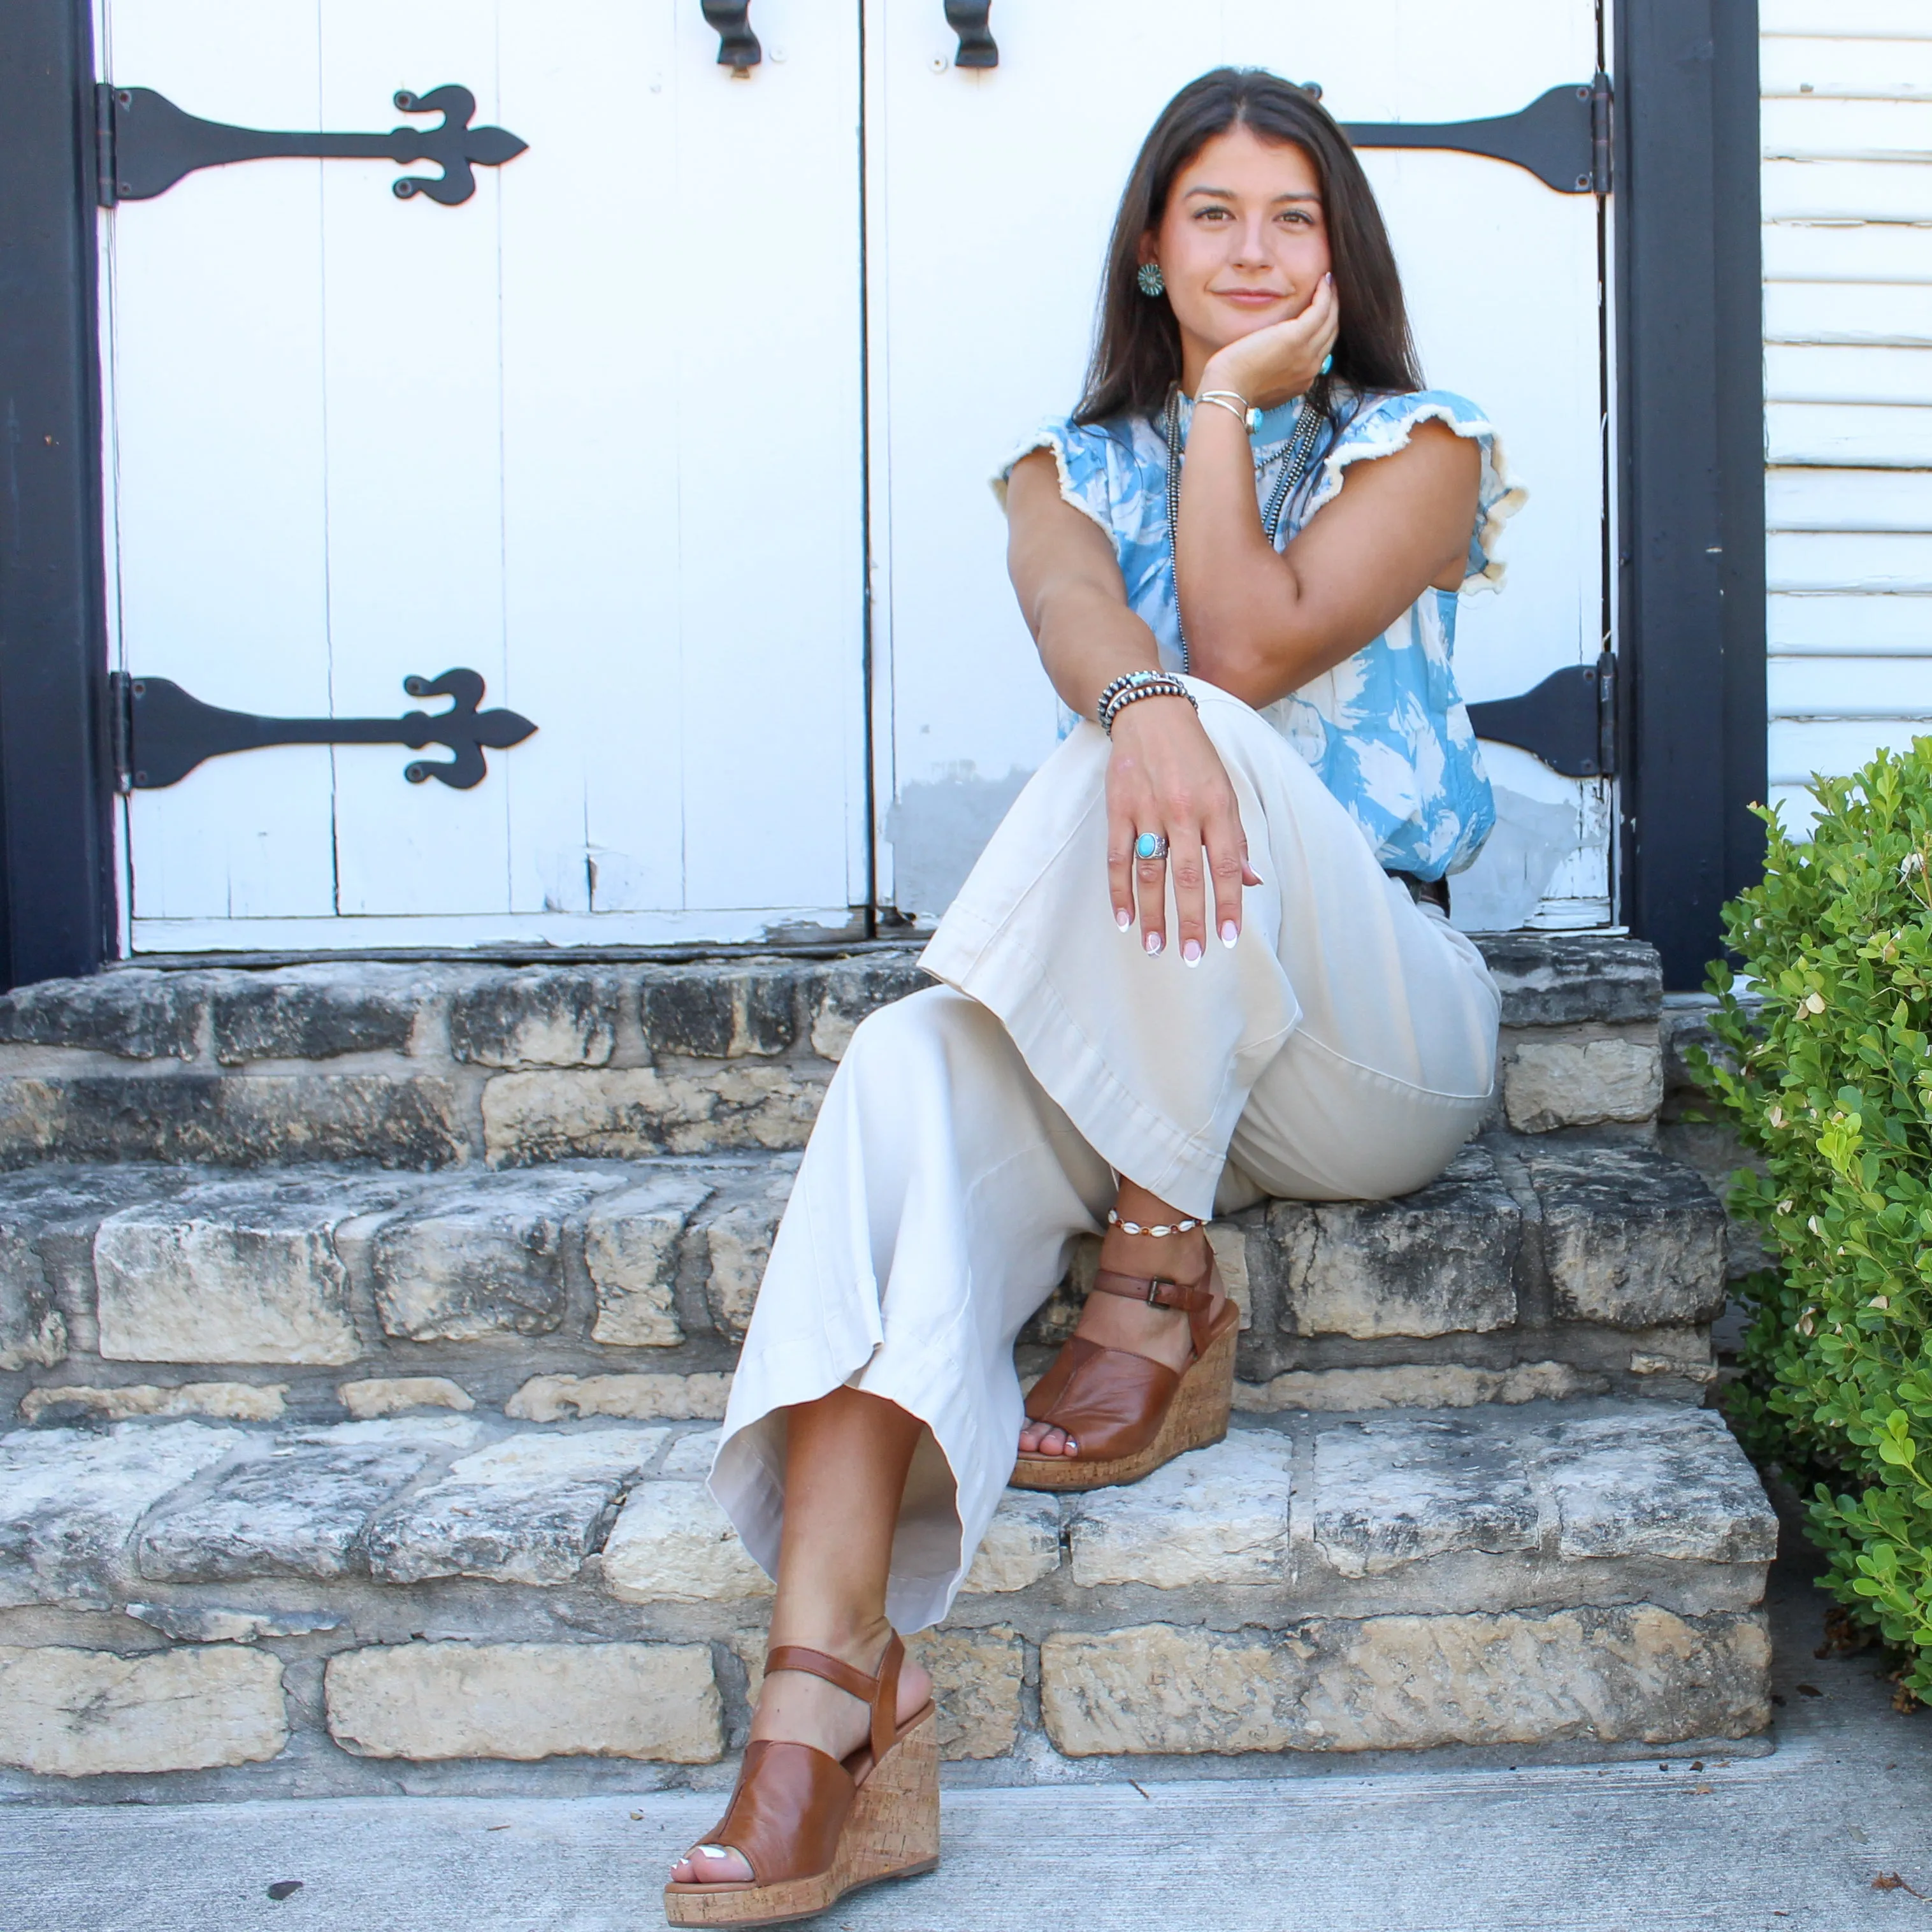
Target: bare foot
{"points": [[796, 1708], [1113, 1322]]}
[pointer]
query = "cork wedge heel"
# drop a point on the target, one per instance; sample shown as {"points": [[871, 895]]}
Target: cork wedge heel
{"points": [[1128, 1413], [813, 1827]]}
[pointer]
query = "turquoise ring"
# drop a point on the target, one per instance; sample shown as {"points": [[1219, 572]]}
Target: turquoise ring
{"points": [[1150, 845]]}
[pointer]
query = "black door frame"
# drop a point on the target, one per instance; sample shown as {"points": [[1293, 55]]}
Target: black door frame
{"points": [[1690, 487], [57, 897], [1691, 568]]}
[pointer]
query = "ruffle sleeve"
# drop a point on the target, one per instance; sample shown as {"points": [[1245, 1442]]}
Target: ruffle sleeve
{"points": [[1082, 457], [1385, 425]]}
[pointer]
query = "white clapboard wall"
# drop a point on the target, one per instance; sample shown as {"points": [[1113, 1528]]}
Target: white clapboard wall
{"points": [[1847, 183]]}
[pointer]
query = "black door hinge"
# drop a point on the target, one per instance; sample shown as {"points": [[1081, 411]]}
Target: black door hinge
{"points": [[143, 144], [161, 732], [1569, 721], [1562, 137]]}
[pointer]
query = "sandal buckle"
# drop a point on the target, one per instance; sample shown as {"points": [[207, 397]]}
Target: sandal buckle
{"points": [[1153, 1291]]}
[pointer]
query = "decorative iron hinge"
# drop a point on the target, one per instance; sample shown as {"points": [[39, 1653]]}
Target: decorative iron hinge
{"points": [[1562, 137], [161, 732], [1569, 721], [144, 144]]}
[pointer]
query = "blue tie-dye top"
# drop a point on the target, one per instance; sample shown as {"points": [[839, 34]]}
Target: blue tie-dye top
{"points": [[1386, 731]]}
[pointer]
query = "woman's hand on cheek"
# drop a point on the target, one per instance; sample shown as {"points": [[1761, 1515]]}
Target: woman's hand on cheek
{"points": [[1282, 360]]}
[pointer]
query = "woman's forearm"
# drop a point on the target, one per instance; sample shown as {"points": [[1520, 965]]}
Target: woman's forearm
{"points": [[1087, 639], [1240, 598]]}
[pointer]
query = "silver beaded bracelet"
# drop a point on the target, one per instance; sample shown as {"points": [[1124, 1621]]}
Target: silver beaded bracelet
{"points": [[1162, 685]]}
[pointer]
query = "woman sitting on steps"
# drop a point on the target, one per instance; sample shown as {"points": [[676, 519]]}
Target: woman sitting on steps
{"points": [[1205, 959]]}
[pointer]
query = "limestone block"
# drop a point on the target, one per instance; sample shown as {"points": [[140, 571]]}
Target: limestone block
{"points": [[540, 1016], [391, 1395], [526, 1510], [672, 1544], [316, 1013], [1436, 1262], [1571, 978], [199, 1623], [241, 1270], [631, 1113], [32, 1328], [740, 1240], [526, 1701], [134, 1012], [1218, 1515], [850, 990], [1553, 1083], [976, 1675], [77, 1713], [403, 1120], [630, 1243], [1668, 1482], [1701, 1368], [663, 1398], [722, 1012], [1416, 1385], [484, 1258], [1629, 1672], [69, 1500], [1629, 1237], [1021, 1546], [48, 1216], [1395, 1492], [229, 1402], [300, 1511]]}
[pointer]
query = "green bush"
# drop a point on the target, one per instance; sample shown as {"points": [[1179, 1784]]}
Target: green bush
{"points": [[1826, 1074]]}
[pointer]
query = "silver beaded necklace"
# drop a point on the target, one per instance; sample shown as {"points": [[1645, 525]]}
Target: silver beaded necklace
{"points": [[1294, 461]]}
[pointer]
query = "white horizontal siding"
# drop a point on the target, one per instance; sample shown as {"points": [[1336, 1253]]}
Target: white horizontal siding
{"points": [[1847, 131]]}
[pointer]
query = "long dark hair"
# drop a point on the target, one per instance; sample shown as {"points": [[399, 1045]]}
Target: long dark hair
{"points": [[1137, 344]]}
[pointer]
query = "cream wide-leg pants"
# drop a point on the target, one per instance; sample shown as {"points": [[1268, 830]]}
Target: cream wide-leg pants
{"points": [[1344, 1048]]}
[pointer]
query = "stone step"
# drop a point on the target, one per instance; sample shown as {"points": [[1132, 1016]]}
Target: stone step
{"points": [[1535, 1266], [432, 1603], [437, 1064]]}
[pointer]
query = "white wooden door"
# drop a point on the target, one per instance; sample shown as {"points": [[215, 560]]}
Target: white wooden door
{"points": [[991, 193], [595, 432]]}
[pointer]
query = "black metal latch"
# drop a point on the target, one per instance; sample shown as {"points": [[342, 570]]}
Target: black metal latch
{"points": [[144, 144], [162, 732], [1569, 721], [1562, 137]]}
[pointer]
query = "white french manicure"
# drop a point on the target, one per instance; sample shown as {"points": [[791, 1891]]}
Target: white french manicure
{"points": [[1230, 932], [1190, 951], [1123, 918]]}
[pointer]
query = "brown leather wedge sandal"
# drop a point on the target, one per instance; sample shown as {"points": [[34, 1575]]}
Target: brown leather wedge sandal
{"points": [[1128, 1413], [813, 1827]]}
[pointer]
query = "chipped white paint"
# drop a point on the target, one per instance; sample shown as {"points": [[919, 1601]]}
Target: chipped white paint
{"points": [[1847, 124]]}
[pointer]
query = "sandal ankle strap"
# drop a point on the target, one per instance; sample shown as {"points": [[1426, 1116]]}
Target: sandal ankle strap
{"points": [[880, 1692], [1193, 1298]]}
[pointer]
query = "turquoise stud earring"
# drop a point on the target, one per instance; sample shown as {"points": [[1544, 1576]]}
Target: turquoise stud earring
{"points": [[1327, 363], [1152, 282]]}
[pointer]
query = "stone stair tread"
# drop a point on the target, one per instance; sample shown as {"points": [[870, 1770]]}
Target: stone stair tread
{"points": [[457, 1587], [446, 1063], [1529, 1269], [1327, 1508]]}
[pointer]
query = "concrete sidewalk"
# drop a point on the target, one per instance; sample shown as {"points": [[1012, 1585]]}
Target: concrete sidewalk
{"points": [[1796, 1839]]}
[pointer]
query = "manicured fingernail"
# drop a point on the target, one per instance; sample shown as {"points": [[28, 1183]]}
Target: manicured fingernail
{"points": [[1190, 951], [1154, 942], [1230, 932], [1123, 918]]}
